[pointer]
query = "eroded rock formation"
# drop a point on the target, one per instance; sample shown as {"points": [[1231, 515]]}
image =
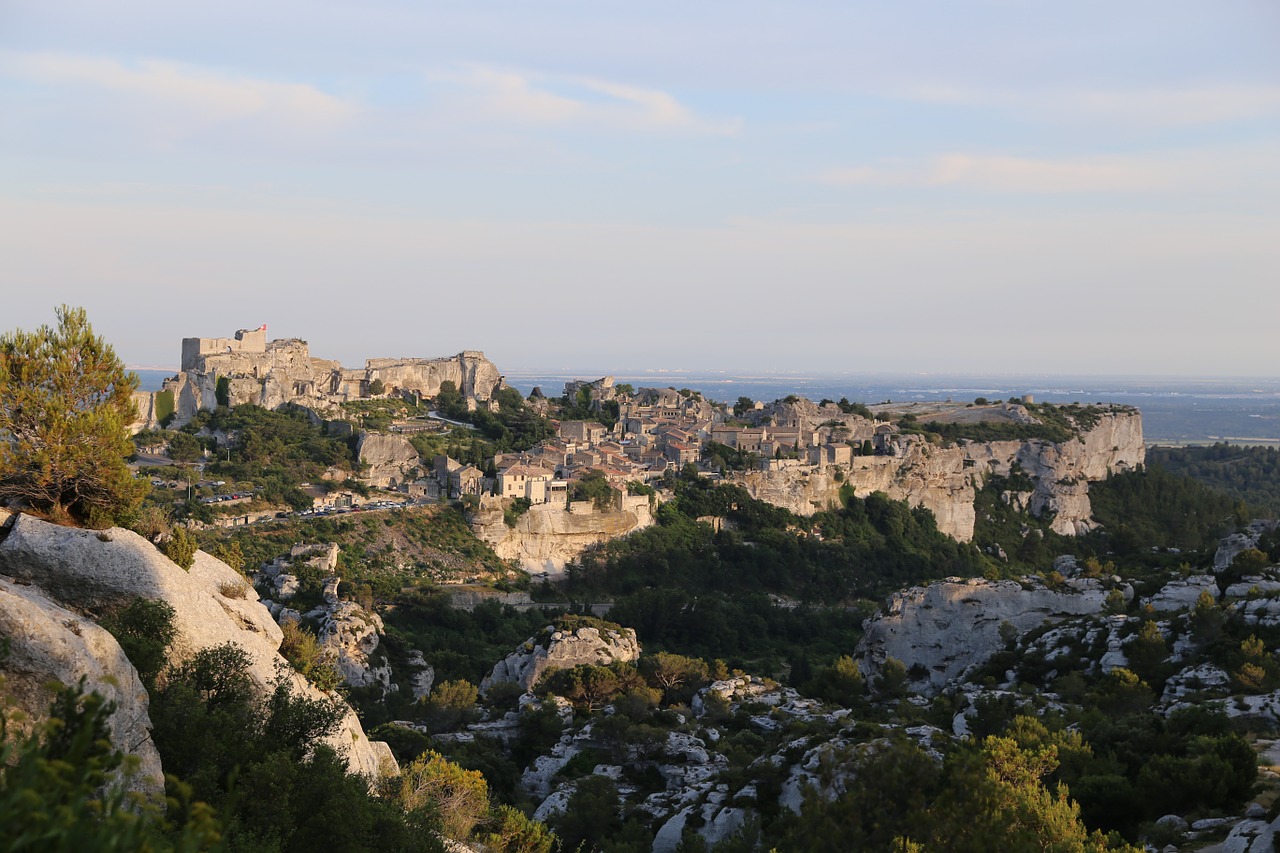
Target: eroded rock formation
{"points": [[48, 643], [391, 459]]}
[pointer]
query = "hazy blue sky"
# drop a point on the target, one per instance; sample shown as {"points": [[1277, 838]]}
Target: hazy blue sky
{"points": [[1078, 187]]}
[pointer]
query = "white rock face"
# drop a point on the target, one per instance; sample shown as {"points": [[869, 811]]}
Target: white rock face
{"points": [[1252, 585], [1206, 679], [950, 626], [90, 569], [1252, 835], [563, 650], [424, 675], [941, 479], [49, 643], [389, 457], [1231, 546], [1261, 611], [548, 535]]}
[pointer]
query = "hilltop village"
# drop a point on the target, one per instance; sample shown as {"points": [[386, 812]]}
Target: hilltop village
{"points": [[603, 452]]}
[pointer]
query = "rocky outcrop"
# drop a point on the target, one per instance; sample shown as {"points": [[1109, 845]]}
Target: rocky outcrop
{"points": [[566, 649], [1183, 594], [548, 536], [947, 627], [47, 643], [944, 479], [422, 674], [1232, 546], [350, 634], [390, 459], [93, 570]]}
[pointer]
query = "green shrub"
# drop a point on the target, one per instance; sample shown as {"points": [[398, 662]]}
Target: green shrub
{"points": [[55, 791], [518, 507], [164, 407], [302, 650], [181, 548], [144, 629]]}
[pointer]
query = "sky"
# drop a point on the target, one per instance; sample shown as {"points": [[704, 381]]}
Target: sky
{"points": [[900, 186]]}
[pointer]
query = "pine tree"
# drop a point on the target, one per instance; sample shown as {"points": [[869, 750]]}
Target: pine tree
{"points": [[66, 403]]}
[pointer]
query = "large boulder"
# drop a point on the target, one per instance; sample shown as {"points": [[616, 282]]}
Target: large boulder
{"points": [[47, 643], [564, 650], [94, 570]]}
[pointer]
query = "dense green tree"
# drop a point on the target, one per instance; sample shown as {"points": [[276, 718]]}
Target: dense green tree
{"points": [[185, 447], [1249, 474], [841, 683], [262, 762], [677, 676], [60, 790], [590, 816], [460, 797], [66, 403], [144, 629]]}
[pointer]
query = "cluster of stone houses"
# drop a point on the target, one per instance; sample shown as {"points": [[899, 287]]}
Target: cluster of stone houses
{"points": [[657, 430]]}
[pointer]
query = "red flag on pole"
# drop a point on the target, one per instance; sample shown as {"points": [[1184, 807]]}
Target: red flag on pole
{"points": [[262, 328]]}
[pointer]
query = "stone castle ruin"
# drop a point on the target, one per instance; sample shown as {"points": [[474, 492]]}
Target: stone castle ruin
{"points": [[248, 368]]}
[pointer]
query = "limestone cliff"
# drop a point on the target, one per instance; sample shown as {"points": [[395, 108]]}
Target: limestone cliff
{"points": [[949, 626], [549, 535], [91, 570], [470, 372], [944, 479]]}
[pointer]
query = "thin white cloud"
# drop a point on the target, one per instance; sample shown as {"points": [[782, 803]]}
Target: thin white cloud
{"points": [[1010, 174], [197, 92], [506, 95], [1151, 107], [1247, 170]]}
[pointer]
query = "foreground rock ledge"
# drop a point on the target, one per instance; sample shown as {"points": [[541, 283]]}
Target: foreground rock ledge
{"points": [[89, 570]]}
